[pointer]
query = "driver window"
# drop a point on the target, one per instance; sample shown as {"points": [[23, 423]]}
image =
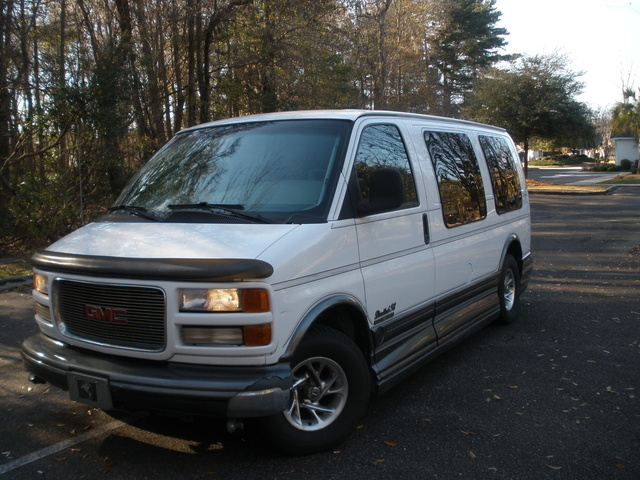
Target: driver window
{"points": [[382, 147]]}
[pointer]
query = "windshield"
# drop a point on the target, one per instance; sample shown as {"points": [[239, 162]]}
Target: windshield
{"points": [[282, 171]]}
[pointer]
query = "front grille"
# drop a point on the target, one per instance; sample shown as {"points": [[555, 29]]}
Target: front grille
{"points": [[119, 315]]}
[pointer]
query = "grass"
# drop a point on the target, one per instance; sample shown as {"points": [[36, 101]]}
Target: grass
{"points": [[14, 265], [631, 179], [535, 186], [14, 257]]}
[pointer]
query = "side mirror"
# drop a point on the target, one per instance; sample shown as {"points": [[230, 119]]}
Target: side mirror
{"points": [[386, 192]]}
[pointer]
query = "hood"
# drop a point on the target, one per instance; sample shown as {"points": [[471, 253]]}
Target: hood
{"points": [[171, 240]]}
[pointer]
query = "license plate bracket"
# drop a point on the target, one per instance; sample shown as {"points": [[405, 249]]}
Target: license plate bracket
{"points": [[90, 390]]}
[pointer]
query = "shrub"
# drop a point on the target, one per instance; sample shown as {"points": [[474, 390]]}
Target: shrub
{"points": [[561, 160], [625, 164], [607, 168]]}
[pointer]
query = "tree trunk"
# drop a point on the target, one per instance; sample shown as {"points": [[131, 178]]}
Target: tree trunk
{"points": [[179, 95], [380, 73], [62, 72], [269, 95], [192, 13], [154, 97], [526, 157], [126, 26], [6, 10]]}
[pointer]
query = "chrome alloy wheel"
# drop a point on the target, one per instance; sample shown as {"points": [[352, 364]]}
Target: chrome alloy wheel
{"points": [[318, 395], [509, 289]]}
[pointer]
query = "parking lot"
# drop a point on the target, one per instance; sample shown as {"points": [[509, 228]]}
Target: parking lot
{"points": [[555, 395]]}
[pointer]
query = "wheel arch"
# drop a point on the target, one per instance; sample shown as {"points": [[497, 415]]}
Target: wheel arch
{"points": [[342, 313], [512, 247]]}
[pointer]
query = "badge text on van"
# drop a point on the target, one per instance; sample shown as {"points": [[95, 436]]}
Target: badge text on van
{"points": [[385, 314], [106, 314]]}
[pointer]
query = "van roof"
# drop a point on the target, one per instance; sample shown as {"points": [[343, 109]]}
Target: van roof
{"points": [[350, 115]]}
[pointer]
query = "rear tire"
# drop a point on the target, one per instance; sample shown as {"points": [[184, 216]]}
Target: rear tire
{"points": [[509, 291], [332, 386]]}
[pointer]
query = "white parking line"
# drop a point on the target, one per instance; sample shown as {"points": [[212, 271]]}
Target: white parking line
{"points": [[50, 450]]}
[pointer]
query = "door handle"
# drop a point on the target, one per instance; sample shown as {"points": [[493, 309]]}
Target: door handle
{"points": [[425, 228]]}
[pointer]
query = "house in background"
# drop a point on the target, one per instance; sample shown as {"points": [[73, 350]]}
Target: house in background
{"points": [[625, 147]]}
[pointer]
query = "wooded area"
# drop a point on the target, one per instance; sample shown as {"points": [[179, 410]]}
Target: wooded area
{"points": [[89, 89]]}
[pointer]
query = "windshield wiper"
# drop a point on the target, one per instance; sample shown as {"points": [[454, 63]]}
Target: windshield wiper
{"points": [[132, 209], [233, 209]]}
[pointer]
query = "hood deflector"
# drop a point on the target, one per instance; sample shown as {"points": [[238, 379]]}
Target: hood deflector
{"points": [[175, 269]]}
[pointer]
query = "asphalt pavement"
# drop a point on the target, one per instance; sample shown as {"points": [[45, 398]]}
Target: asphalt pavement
{"points": [[556, 395]]}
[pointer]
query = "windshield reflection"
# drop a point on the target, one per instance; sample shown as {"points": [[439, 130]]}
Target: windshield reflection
{"points": [[277, 170]]}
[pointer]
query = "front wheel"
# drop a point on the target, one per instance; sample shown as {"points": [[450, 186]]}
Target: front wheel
{"points": [[509, 291], [331, 390]]}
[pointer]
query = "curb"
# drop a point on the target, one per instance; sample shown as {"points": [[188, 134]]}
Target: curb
{"points": [[13, 282], [572, 192]]}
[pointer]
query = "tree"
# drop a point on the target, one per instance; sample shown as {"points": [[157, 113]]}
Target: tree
{"points": [[90, 88], [626, 116], [463, 40], [533, 98], [372, 18], [603, 124]]}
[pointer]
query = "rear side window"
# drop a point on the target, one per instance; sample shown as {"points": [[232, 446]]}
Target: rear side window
{"points": [[459, 178], [504, 176], [381, 147]]}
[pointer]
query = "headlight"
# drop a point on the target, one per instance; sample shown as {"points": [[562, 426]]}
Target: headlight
{"points": [[249, 300], [41, 283]]}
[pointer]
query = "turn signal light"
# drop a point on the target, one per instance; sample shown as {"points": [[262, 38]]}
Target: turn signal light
{"points": [[257, 335]]}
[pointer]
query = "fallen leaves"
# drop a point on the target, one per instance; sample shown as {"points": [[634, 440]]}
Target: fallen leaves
{"points": [[619, 465]]}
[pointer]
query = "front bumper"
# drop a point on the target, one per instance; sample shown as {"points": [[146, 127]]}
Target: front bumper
{"points": [[132, 384]]}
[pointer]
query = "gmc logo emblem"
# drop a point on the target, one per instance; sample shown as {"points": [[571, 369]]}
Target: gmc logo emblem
{"points": [[107, 314]]}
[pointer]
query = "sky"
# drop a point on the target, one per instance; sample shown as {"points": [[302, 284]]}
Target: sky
{"points": [[601, 38]]}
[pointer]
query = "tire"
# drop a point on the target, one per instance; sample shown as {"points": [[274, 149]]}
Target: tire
{"points": [[332, 387], [509, 291]]}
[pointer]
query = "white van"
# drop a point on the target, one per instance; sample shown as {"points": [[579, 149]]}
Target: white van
{"points": [[286, 266]]}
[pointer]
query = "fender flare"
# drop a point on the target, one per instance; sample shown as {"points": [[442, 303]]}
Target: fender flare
{"points": [[505, 250], [315, 312]]}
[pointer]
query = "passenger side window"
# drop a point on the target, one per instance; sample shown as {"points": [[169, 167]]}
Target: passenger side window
{"points": [[504, 176], [459, 178], [381, 153]]}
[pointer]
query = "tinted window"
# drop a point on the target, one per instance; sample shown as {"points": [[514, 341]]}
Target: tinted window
{"points": [[458, 175], [381, 146], [504, 176]]}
